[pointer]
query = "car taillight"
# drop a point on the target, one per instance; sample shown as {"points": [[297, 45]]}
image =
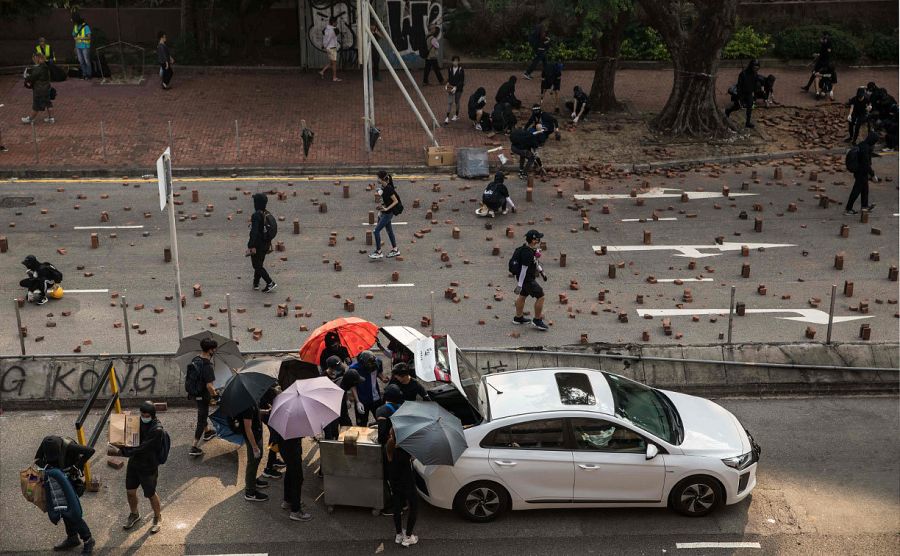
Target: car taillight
{"points": [[441, 375]]}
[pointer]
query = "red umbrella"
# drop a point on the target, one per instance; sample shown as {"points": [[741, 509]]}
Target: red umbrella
{"points": [[356, 335]]}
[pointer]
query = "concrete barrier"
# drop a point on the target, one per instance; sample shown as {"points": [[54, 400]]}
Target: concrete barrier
{"points": [[741, 369]]}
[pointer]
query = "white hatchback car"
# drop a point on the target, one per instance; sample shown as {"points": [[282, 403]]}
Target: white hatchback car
{"points": [[568, 437]]}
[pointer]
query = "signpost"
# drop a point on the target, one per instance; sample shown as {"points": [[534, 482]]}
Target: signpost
{"points": [[164, 177]]}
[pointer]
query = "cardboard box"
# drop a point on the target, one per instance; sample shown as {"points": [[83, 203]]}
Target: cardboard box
{"points": [[125, 429], [441, 156]]}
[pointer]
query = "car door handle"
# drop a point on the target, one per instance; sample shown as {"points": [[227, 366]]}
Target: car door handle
{"points": [[503, 463], [588, 466]]}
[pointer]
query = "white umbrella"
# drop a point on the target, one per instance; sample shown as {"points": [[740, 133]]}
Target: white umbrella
{"points": [[306, 407]]}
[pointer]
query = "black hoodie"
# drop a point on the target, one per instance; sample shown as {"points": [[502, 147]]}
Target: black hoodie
{"points": [[864, 167], [746, 84], [507, 91], [257, 223], [477, 101]]}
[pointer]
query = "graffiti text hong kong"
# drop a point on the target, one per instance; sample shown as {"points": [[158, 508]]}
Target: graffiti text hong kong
{"points": [[75, 381]]}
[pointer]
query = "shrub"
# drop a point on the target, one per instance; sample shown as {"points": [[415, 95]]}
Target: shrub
{"points": [[747, 43], [643, 43], [882, 47], [803, 41]]}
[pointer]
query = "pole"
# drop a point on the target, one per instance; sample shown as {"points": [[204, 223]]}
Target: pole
{"points": [[119, 40], [364, 48], [170, 138], [127, 328], [103, 139], [409, 100], [237, 140], [37, 155], [730, 314], [402, 64], [370, 73], [173, 236], [831, 314], [228, 307], [19, 326], [432, 313]]}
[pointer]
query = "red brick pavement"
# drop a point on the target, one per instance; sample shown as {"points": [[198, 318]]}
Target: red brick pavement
{"points": [[269, 107]]}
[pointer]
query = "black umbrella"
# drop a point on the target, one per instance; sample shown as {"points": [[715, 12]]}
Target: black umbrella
{"points": [[307, 136], [243, 391], [285, 370]]}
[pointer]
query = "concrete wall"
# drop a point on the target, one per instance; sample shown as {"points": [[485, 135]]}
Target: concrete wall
{"points": [[46, 382]]}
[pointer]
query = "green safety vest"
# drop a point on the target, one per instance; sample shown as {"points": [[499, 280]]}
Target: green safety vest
{"points": [[47, 52], [80, 36]]}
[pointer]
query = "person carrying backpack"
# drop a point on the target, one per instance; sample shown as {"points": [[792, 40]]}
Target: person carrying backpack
{"points": [[198, 383], [496, 197], [507, 93], [263, 228], [859, 162], [476, 105], [40, 278], [143, 466], [61, 459], [525, 266], [389, 207]]}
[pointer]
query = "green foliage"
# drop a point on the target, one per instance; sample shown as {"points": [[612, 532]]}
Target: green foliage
{"points": [[882, 47], [747, 43], [802, 43], [643, 43]]}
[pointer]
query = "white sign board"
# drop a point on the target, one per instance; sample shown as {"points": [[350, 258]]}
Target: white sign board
{"points": [[164, 177]]}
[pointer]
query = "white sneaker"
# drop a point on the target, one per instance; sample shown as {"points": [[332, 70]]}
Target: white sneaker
{"points": [[50, 120], [446, 120], [376, 255], [393, 253], [27, 120], [410, 540], [477, 126], [455, 118], [398, 538]]}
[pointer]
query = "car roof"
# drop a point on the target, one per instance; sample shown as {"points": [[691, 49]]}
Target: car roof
{"points": [[535, 390]]}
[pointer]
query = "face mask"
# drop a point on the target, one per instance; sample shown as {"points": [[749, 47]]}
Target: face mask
{"points": [[380, 191], [146, 420]]}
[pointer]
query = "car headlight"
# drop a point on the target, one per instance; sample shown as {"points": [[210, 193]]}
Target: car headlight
{"points": [[740, 462]]}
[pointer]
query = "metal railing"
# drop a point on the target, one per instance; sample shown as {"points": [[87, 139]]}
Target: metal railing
{"points": [[109, 375]]}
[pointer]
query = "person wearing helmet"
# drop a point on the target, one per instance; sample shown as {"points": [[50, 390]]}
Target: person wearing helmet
{"points": [[333, 346], [143, 467], [368, 391]]}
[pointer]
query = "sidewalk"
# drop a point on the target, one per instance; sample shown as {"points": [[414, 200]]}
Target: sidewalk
{"points": [[268, 108]]}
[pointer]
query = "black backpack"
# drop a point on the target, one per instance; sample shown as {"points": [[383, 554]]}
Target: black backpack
{"points": [[851, 160], [165, 444], [53, 273], [193, 378], [398, 208], [514, 265], [270, 227]]}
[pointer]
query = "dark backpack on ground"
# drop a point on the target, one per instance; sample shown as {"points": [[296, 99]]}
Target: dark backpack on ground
{"points": [[165, 444], [193, 378], [270, 226], [851, 160], [514, 265]]}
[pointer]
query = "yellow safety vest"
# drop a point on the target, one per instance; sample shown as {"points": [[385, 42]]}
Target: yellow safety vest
{"points": [[80, 36], [47, 52]]}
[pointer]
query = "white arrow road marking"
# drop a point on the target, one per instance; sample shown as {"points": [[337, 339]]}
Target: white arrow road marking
{"points": [[661, 193], [385, 285], [813, 316], [684, 279], [692, 250], [667, 219], [107, 227], [717, 545]]}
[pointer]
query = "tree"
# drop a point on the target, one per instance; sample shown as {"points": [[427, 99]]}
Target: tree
{"points": [[606, 20], [694, 33]]}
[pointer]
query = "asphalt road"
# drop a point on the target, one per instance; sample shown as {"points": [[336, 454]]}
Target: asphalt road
{"points": [[212, 243], [828, 484]]}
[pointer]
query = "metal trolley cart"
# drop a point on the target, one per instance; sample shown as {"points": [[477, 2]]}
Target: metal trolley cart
{"points": [[352, 470]]}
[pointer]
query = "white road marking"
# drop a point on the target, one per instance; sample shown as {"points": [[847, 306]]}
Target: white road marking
{"points": [[393, 223], [661, 193], [692, 250], [667, 219], [240, 554], [814, 316], [684, 279], [385, 285], [717, 545], [84, 291], [107, 227]]}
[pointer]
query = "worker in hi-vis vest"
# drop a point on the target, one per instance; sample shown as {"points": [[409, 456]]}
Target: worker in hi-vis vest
{"points": [[81, 32], [43, 48]]}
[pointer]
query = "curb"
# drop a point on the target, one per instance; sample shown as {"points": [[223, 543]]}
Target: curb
{"points": [[311, 170]]}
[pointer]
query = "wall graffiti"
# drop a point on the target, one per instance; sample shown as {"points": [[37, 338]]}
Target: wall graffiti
{"points": [[408, 23], [319, 12]]}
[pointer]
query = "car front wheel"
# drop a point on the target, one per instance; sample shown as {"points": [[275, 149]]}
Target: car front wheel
{"points": [[696, 496], [481, 502]]}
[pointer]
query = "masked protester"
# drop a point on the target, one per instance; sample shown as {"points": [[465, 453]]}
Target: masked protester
{"points": [[62, 460], [368, 391]]}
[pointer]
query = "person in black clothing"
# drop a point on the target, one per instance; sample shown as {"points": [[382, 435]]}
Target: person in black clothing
{"points": [[507, 93], [40, 278], [580, 105], [502, 118], [207, 376], [858, 115], [765, 89], [527, 256], [251, 427], [551, 80], [890, 126], [270, 470], [164, 57], [389, 207], [258, 245], [744, 93], [862, 174], [476, 105], [292, 451], [496, 197], [68, 456], [143, 467], [822, 59], [540, 43], [348, 381], [536, 113], [400, 476], [549, 126], [410, 387], [333, 347], [376, 57], [456, 82], [524, 143]]}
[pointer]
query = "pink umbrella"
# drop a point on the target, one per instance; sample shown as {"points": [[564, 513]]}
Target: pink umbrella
{"points": [[306, 407]]}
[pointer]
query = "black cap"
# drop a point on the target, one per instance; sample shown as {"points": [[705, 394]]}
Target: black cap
{"points": [[393, 393], [350, 379], [334, 362], [532, 235], [148, 407]]}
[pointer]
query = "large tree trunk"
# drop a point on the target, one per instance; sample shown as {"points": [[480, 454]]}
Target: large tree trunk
{"points": [[695, 33], [607, 45]]}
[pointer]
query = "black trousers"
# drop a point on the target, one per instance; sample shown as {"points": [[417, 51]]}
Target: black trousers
{"points": [[376, 65], [540, 55], [202, 416], [853, 127], [432, 65], [736, 105], [526, 158], [403, 491], [860, 188], [167, 73], [293, 473], [272, 456], [259, 271], [77, 527]]}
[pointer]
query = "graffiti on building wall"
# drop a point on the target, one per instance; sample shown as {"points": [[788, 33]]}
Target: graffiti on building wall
{"points": [[408, 23], [319, 14], [29, 379]]}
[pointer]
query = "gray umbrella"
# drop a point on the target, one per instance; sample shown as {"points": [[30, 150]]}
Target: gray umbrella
{"points": [[227, 358], [285, 369], [429, 433]]}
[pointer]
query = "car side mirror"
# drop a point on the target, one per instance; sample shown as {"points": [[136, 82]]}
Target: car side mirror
{"points": [[652, 451]]}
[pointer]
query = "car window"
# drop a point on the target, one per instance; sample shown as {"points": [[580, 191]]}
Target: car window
{"points": [[545, 434], [575, 389], [603, 436]]}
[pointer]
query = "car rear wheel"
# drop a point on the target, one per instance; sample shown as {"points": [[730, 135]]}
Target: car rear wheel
{"points": [[696, 496], [481, 502]]}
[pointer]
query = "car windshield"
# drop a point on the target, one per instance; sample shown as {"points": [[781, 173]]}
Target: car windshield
{"points": [[645, 407], [469, 376]]}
